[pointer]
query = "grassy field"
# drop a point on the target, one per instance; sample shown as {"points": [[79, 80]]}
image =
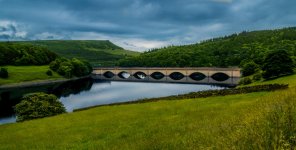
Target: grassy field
{"points": [[291, 80], [19, 74], [264, 120]]}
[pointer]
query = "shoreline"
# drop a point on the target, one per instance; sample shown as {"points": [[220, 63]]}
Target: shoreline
{"points": [[200, 94], [38, 83]]}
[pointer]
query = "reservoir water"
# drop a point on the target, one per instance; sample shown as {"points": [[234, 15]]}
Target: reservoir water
{"points": [[89, 92]]}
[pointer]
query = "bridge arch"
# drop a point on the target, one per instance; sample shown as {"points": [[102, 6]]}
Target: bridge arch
{"points": [[109, 74], [124, 75], [176, 76], [197, 76], [140, 75], [220, 76], [157, 75]]}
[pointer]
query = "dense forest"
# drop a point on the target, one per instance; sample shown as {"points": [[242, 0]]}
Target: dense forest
{"points": [[232, 50], [24, 54], [96, 52]]}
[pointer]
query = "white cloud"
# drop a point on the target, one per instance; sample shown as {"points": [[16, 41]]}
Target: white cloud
{"points": [[10, 30], [141, 44], [49, 36]]}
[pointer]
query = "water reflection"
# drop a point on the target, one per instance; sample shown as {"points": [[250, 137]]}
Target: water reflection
{"points": [[89, 92]]}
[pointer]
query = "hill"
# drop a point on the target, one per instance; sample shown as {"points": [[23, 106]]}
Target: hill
{"points": [[97, 52], [232, 50], [24, 54]]}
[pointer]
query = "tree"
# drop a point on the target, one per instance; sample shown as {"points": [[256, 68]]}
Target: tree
{"points": [[80, 69], [250, 68], [66, 69], [38, 105], [277, 63], [54, 65], [3, 73]]}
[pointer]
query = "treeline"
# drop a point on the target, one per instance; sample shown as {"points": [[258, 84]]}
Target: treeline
{"points": [[233, 50], [24, 54]]}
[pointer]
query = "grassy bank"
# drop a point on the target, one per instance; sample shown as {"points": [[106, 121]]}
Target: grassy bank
{"points": [[263, 120], [290, 79], [19, 74]]}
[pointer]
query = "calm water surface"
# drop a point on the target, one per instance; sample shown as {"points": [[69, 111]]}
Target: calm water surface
{"points": [[85, 93]]}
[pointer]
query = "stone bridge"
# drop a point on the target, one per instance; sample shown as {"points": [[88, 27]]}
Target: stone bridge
{"points": [[201, 75]]}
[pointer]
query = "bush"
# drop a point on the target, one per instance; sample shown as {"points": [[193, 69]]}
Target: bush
{"points": [[80, 69], [38, 105], [49, 72], [277, 63], [245, 81], [54, 65], [66, 69], [26, 60], [69, 68], [249, 68], [257, 77], [3, 73]]}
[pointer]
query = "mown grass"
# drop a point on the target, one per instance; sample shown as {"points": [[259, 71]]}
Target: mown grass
{"points": [[262, 120], [19, 74]]}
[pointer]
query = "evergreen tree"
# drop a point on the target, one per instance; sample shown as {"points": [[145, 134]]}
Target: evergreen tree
{"points": [[277, 63]]}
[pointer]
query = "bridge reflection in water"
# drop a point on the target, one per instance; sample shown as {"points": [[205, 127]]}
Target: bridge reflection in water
{"points": [[203, 75]]}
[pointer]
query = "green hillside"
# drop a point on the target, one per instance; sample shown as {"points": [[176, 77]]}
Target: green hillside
{"points": [[232, 50], [97, 52]]}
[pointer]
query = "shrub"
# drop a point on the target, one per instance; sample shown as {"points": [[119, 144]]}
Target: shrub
{"points": [[80, 69], [69, 68], [54, 65], [257, 77], [38, 105], [26, 60], [49, 72], [277, 63], [245, 81], [3, 73], [66, 69], [249, 68]]}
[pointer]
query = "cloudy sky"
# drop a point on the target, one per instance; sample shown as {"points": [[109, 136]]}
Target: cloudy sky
{"points": [[140, 24]]}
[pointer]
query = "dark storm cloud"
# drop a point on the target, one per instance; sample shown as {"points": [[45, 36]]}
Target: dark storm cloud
{"points": [[142, 23]]}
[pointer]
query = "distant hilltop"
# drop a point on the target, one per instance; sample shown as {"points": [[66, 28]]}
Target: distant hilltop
{"points": [[97, 52]]}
